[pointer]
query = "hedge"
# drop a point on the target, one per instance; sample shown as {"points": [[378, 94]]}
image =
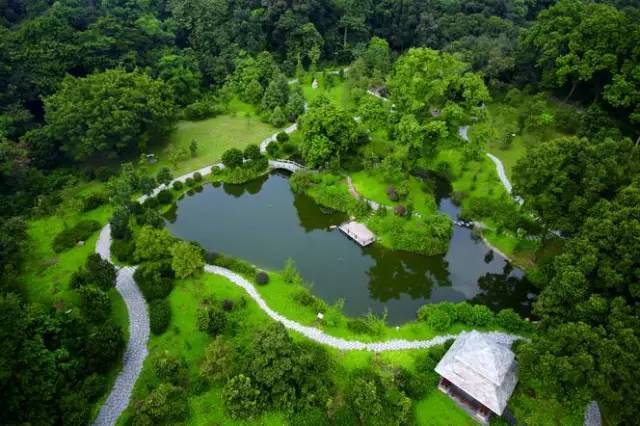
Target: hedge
{"points": [[441, 316], [69, 237]]}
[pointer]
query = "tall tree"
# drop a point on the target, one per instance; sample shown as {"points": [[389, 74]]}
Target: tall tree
{"points": [[107, 113]]}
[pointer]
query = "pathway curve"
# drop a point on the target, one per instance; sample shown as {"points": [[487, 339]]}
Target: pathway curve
{"points": [[136, 350], [138, 316]]}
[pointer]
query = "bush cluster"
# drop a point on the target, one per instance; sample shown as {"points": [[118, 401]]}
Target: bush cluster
{"points": [[392, 194], [165, 196], [69, 237], [428, 235], [159, 316], [262, 278], [123, 250], [212, 320], [177, 185], [304, 297], [441, 316], [236, 265], [97, 272], [155, 279], [93, 201]]}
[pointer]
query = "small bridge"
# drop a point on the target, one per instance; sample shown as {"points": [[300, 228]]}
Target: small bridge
{"points": [[292, 166]]}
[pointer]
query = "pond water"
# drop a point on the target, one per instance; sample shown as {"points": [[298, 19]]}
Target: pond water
{"points": [[265, 223]]}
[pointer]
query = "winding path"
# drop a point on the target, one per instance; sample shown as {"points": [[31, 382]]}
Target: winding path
{"points": [[138, 316], [136, 351]]}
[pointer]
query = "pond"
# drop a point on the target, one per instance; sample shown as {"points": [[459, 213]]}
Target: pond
{"points": [[265, 223]]}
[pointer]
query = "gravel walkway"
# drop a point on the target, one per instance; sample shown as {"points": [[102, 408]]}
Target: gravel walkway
{"points": [[336, 342], [136, 350]]}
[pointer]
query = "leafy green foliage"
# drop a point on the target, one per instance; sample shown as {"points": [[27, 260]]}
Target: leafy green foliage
{"points": [[241, 397], [95, 303], [426, 235], [155, 279], [232, 158], [328, 132], [69, 237], [219, 361], [86, 125], [187, 259], [153, 244], [212, 320], [564, 178], [159, 316]]}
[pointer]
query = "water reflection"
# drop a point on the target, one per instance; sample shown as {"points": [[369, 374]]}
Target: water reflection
{"points": [[265, 223]]}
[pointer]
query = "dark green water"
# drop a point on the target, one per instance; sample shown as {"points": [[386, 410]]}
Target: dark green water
{"points": [[264, 223]]}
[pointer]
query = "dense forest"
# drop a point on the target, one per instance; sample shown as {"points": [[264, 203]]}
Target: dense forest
{"points": [[86, 86]]}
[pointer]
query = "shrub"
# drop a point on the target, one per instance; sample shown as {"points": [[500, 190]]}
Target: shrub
{"points": [[166, 404], [189, 181], [227, 305], [219, 360], [155, 279], [201, 109], [100, 272], [159, 316], [306, 298], [93, 201], [236, 265], [165, 196], [177, 185], [123, 250], [282, 137], [241, 398], [150, 203], [272, 149], [278, 119], [482, 316], [262, 278], [232, 158], [290, 272], [400, 210], [215, 170], [95, 303], [392, 194], [510, 320], [252, 152], [439, 316], [197, 176], [212, 320], [187, 259], [358, 326], [164, 176], [69, 237], [170, 369]]}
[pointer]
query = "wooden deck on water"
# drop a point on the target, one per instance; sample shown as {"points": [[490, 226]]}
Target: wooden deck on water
{"points": [[358, 232]]}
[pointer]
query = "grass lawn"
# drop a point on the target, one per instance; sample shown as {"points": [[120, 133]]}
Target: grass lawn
{"points": [[47, 273], [279, 296], [437, 409], [214, 136], [184, 339], [338, 93], [371, 186], [502, 119]]}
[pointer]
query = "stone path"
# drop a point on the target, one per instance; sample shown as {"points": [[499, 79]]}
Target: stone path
{"points": [[319, 336], [136, 350], [503, 176]]}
